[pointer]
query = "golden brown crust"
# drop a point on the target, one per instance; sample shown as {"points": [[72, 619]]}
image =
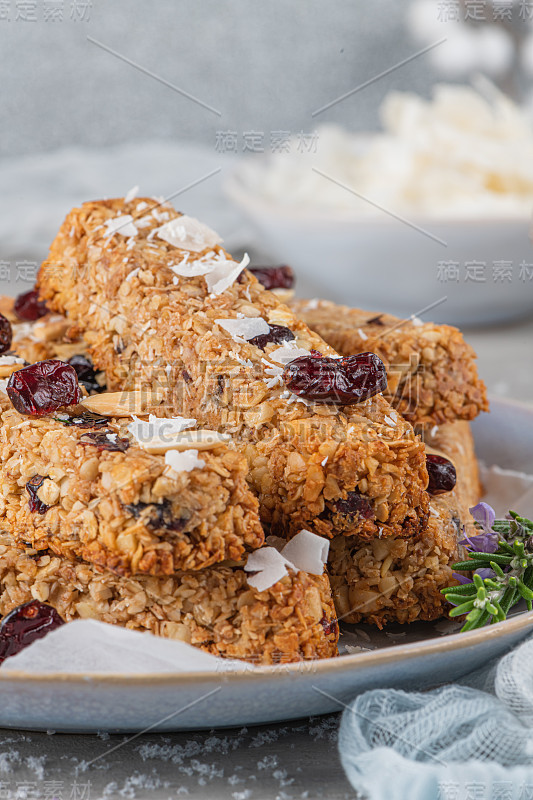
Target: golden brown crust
{"points": [[395, 580], [432, 374], [144, 330], [122, 510], [214, 609]]}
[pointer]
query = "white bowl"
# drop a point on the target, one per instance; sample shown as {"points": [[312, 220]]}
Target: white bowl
{"points": [[385, 264]]}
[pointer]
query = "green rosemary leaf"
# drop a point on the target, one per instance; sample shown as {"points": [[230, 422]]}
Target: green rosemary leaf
{"points": [[463, 588], [464, 608]]}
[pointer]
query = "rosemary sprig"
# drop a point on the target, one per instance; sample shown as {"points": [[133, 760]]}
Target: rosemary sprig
{"points": [[503, 554]]}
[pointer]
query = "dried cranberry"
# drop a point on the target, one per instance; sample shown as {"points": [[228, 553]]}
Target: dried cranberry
{"points": [[24, 625], [442, 475], [346, 380], [106, 440], [32, 488], [158, 516], [44, 387], [276, 335], [330, 626], [86, 374], [355, 504], [84, 420], [6, 334], [28, 306], [281, 277]]}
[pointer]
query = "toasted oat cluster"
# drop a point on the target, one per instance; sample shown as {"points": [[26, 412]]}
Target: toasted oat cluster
{"points": [[398, 580], [163, 308], [431, 370], [213, 608]]}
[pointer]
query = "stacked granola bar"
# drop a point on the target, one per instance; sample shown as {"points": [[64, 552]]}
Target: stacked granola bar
{"points": [[288, 431]]}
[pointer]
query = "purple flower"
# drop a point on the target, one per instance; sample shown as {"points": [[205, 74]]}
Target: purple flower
{"points": [[461, 578], [484, 543], [485, 572], [484, 515]]}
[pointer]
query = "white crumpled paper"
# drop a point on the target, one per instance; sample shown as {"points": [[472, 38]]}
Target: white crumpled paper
{"points": [[88, 646]]}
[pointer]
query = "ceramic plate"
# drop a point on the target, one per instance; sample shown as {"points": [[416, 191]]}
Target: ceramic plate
{"points": [[416, 656]]}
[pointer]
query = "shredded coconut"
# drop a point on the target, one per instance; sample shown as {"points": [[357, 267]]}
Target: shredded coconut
{"points": [[184, 461], [306, 552], [158, 427], [287, 353], [245, 328], [188, 233], [225, 274], [131, 195], [123, 225]]}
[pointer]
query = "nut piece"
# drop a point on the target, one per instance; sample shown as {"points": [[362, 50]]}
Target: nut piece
{"points": [[120, 404], [186, 440]]}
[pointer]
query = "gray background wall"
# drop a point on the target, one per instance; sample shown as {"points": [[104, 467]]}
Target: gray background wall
{"points": [[264, 65]]}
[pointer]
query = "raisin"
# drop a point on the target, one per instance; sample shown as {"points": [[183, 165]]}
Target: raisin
{"points": [[348, 380], [281, 277], [86, 374], [44, 387], [158, 516], [442, 474], [32, 487], [330, 626], [276, 335], [6, 334], [27, 306], [105, 440], [24, 625], [83, 420], [377, 320], [355, 504]]}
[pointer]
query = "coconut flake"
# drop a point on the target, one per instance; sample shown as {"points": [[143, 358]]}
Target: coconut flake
{"points": [[388, 420], [306, 552], [269, 566], [184, 461], [132, 274], [245, 328], [287, 353], [112, 437], [362, 334], [131, 195], [123, 225], [434, 430], [225, 274], [158, 427], [188, 233], [7, 361], [324, 461]]}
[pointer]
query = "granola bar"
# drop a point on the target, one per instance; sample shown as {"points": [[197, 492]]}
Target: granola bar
{"points": [[431, 370], [398, 580], [214, 608], [148, 310], [51, 336], [83, 487]]}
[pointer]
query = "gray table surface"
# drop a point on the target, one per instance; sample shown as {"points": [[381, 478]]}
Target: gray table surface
{"points": [[285, 761]]}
